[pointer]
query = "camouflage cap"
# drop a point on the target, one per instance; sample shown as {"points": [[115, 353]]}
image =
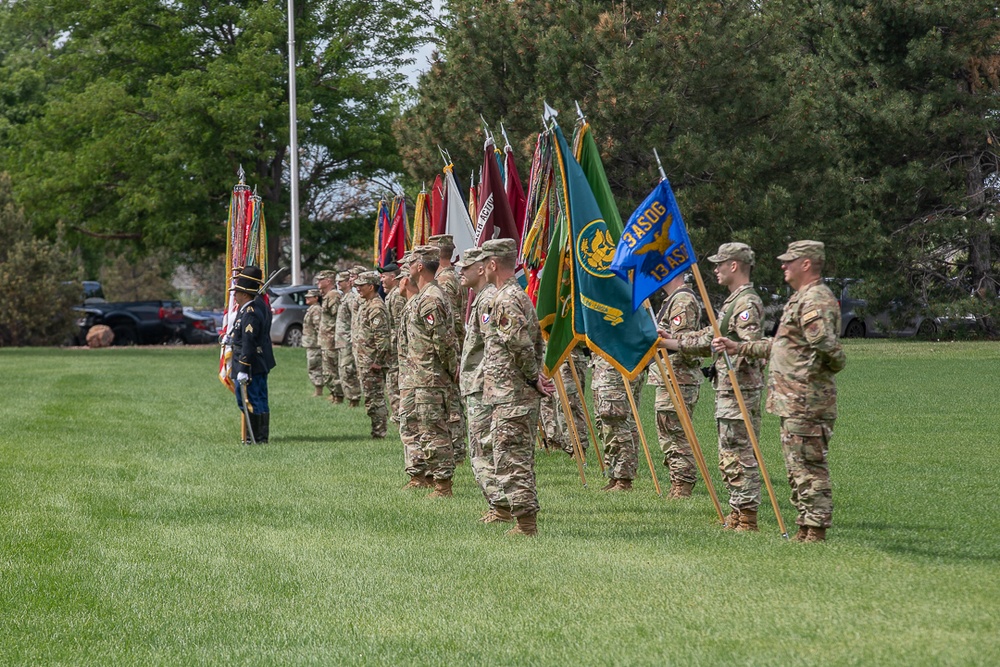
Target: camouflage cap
{"points": [[343, 276], [470, 257], [812, 249], [326, 275], [426, 253], [405, 260], [728, 252], [499, 248], [368, 278], [357, 270], [442, 241], [313, 294]]}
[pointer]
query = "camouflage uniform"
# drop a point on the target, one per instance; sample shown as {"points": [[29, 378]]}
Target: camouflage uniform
{"points": [[372, 340], [471, 387], [394, 302], [310, 341], [327, 343], [617, 424], [432, 362], [447, 279], [345, 349], [557, 433], [511, 365], [680, 314], [739, 319], [413, 461], [805, 354]]}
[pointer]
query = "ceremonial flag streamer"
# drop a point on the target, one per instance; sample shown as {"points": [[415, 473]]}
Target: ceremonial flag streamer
{"points": [[456, 216], [655, 247], [495, 219]]}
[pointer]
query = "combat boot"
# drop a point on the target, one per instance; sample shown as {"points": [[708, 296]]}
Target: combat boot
{"points": [[525, 526], [748, 522], [498, 515], [802, 534], [816, 534], [731, 521], [622, 485], [442, 489], [355, 402], [319, 390], [419, 482], [680, 490], [612, 483], [265, 428], [336, 400]]}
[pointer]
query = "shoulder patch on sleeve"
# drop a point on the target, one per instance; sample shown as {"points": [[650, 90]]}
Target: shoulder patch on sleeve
{"points": [[810, 316], [745, 315]]}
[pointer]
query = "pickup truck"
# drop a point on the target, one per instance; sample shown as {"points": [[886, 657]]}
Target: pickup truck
{"points": [[133, 322]]}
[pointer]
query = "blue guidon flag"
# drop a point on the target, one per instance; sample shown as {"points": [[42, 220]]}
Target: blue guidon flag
{"points": [[655, 247]]}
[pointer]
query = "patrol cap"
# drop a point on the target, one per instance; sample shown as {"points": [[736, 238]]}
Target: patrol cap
{"points": [[312, 294], [425, 253], [357, 270], [728, 252], [405, 260], [368, 278], [343, 275], [499, 248], [814, 250], [442, 241], [470, 257], [326, 275]]}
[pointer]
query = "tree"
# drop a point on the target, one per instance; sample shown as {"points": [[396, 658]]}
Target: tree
{"points": [[41, 280], [128, 120]]}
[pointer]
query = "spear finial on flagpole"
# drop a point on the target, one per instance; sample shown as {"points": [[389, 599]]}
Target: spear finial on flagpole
{"points": [[549, 116], [506, 141], [241, 176], [579, 112], [444, 156], [423, 187], [663, 174]]}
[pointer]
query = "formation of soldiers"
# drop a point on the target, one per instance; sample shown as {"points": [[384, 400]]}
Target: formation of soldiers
{"points": [[463, 378]]}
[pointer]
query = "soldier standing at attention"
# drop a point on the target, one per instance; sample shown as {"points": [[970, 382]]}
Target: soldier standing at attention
{"points": [[310, 341], [371, 340], [513, 385], [345, 351], [680, 314], [394, 302], [739, 320], [472, 275], [330, 303], [432, 360], [805, 355], [253, 357], [447, 278], [413, 460]]}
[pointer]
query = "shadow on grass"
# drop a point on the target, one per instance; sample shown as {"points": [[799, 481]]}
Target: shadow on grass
{"points": [[924, 541], [340, 437]]}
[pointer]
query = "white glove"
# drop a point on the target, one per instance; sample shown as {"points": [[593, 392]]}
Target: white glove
{"points": [[242, 377]]}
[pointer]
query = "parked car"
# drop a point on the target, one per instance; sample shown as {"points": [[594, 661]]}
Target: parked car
{"points": [[133, 322], [857, 322], [198, 328], [288, 310]]}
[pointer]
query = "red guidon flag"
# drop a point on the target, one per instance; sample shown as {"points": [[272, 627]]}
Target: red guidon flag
{"points": [[495, 219]]}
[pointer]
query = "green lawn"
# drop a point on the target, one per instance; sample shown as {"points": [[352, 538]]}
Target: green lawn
{"points": [[134, 530]]}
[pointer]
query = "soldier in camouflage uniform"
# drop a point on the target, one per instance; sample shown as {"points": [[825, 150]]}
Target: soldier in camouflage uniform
{"points": [[371, 340], [739, 319], [512, 386], [345, 352], [472, 275], [617, 424], [310, 341], [394, 302], [447, 279], [557, 433], [329, 303], [432, 360], [413, 460], [805, 355], [680, 314]]}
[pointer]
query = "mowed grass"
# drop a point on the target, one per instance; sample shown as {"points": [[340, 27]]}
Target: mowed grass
{"points": [[134, 530]]}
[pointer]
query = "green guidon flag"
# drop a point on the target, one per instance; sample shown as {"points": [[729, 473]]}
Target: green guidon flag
{"points": [[555, 300]]}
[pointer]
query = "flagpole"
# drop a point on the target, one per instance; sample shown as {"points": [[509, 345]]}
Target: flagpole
{"points": [[576, 441], [747, 421], [680, 407], [570, 422], [642, 434], [294, 149], [586, 413]]}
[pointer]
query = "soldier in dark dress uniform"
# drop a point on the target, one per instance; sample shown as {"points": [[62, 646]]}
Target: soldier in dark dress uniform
{"points": [[253, 357]]}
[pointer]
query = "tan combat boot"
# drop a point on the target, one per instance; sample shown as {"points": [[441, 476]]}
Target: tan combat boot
{"points": [[816, 534], [802, 534], [748, 522], [622, 485], [336, 400], [498, 515], [525, 526], [419, 482], [355, 402], [731, 521], [442, 489], [681, 490], [612, 483], [319, 390]]}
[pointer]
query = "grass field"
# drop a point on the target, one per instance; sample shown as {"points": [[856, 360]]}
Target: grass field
{"points": [[135, 531]]}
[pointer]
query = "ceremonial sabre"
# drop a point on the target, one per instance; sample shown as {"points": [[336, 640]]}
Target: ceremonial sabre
{"points": [[246, 412]]}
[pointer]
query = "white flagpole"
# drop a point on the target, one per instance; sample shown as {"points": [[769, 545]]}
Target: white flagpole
{"points": [[293, 149]]}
